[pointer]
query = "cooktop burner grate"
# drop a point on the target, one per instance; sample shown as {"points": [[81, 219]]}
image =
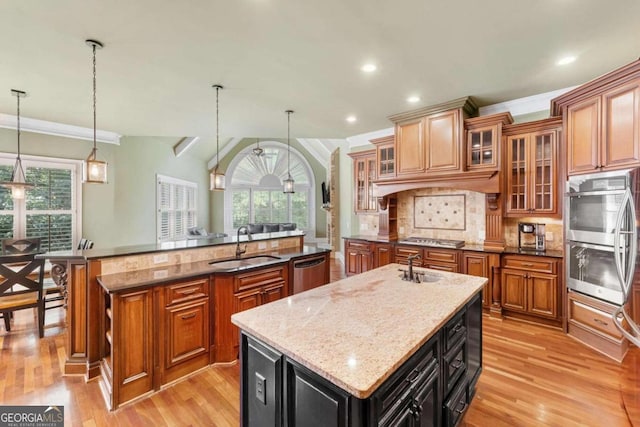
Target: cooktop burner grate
{"points": [[442, 243]]}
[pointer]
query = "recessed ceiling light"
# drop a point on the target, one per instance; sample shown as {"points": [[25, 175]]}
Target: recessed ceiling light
{"points": [[413, 99], [351, 119], [566, 60], [369, 68]]}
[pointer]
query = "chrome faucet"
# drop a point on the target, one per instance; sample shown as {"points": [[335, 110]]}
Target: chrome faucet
{"points": [[410, 262], [239, 251]]}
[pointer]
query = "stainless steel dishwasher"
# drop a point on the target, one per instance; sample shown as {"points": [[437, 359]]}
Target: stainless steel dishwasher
{"points": [[309, 273]]}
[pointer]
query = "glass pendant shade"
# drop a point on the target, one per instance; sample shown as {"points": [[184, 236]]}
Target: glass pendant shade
{"points": [[95, 170], [288, 185], [18, 183], [216, 180]]}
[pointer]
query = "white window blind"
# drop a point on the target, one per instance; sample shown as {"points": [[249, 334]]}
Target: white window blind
{"points": [[176, 207], [50, 209]]}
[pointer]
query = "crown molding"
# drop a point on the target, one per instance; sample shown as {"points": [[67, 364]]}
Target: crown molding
{"points": [[526, 105], [8, 121]]}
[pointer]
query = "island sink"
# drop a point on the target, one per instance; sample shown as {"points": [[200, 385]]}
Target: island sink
{"points": [[244, 262]]}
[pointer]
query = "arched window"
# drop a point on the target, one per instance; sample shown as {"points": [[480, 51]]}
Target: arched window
{"points": [[255, 192]]}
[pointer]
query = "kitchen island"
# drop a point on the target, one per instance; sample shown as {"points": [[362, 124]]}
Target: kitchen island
{"points": [[371, 349]]}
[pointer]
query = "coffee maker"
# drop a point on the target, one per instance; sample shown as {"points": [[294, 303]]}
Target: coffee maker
{"points": [[531, 237]]}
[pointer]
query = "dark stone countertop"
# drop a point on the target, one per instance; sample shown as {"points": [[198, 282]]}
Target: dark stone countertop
{"points": [[136, 279]]}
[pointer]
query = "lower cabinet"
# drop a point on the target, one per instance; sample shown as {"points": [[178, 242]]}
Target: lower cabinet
{"points": [[482, 265], [433, 388], [383, 254], [530, 285], [359, 256]]}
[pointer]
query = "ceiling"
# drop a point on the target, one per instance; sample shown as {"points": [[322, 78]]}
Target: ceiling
{"points": [[161, 57]]}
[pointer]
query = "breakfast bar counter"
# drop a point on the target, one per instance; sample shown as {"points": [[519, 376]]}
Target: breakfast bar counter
{"points": [[361, 338]]}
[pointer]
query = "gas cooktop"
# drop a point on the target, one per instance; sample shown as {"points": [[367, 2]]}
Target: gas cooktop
{"points": [[441, 243]]}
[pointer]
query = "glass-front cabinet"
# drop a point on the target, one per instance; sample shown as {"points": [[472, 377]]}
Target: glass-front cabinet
{"points": [[364, 174], [483, 141], [531, 166], [385, 157]]}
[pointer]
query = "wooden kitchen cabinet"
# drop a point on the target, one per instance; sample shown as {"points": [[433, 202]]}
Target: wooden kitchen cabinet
{"points": [[603, 132], [442, 142], [602, 122], [483, 141], [410, 147], [481, 264], [530, 285], [364, 174], [238, 292], [531, 165], [385, 157], [441, 259], [383, 254], [359, 256]]}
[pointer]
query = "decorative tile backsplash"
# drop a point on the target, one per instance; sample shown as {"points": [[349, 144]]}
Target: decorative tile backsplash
{"points": [[442, 211]]}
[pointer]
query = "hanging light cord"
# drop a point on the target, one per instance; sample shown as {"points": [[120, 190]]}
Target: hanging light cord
{"points": [[288, 147], [94, 101], [217, 130], [18, 96]]}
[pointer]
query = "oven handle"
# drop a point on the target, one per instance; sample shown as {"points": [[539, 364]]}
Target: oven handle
{"points": [[618, 316], [597, 193], [591, 246]]}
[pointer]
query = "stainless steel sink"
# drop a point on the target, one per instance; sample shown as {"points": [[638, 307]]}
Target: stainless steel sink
{"points": [[244, 262]]}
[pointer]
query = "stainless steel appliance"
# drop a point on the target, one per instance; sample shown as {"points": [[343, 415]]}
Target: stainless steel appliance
{"points": [[601, 212], [440, 243], [309, 273], [537, 240]]}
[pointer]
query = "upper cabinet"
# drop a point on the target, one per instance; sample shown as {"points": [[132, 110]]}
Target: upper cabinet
{"points": [[602, 122], [531, 168], [364, 173], [483, 141], [385, 157], [428, 140]]}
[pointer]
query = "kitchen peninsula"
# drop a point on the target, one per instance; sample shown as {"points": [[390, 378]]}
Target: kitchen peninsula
{"points": [[140, 317], [370, 349]]}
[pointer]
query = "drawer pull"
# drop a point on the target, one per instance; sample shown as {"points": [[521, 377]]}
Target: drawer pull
{"points": [[602, 322], [464, 407], [188, 316], [187, 291], [413, 376], [457, 364], [457, 328]]}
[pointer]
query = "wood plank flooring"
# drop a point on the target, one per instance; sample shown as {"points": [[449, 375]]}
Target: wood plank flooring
{"points": [[533, 376]]}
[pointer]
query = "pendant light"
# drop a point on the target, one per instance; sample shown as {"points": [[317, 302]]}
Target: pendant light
{"points": [[95, 170], [288, 183], [257, 151], [217, 180], [18, 184]]}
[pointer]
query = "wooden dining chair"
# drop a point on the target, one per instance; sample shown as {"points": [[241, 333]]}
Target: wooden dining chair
{"points": [[21, 287], [21, 246]]}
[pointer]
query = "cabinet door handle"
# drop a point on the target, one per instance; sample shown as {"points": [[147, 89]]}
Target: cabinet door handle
{"points": [[464, 407], [457, 364], [602, 322], [188, 316], [187, 291]]}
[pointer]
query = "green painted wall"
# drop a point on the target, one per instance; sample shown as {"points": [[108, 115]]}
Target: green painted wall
{"points": [[319, 172], [121, 212]]}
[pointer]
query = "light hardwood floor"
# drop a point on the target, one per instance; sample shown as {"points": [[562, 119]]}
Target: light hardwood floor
{"points": [[533, 376]]}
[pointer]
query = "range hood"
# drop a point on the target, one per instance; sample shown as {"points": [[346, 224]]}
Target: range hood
{"points": [[480, 181]]}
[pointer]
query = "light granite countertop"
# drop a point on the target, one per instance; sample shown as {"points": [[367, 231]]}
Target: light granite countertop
{"points": [[356, 332]]}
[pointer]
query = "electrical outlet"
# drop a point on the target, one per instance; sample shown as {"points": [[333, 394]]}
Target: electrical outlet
{"points": [[160, 258], [275, 244], [401, 230], [160, 274], [549, 236], [261, 388], [364, 226], [262, 245]]}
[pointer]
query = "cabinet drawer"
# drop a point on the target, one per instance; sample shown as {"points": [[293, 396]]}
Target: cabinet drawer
{"points": [[442, 266], [454, 331], [593, 318], [542, 265], [403, 252], [186, 291], [415, 371], [454, 365], [456, 405], [442, 255], [243, 282], [358, 246]]}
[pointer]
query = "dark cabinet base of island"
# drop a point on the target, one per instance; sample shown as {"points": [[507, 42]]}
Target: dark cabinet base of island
{"points": [[432, 388]]}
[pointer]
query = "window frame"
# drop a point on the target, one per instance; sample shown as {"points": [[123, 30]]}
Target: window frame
{"points": [[20, 210], [160, 179], [299, 188]]}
